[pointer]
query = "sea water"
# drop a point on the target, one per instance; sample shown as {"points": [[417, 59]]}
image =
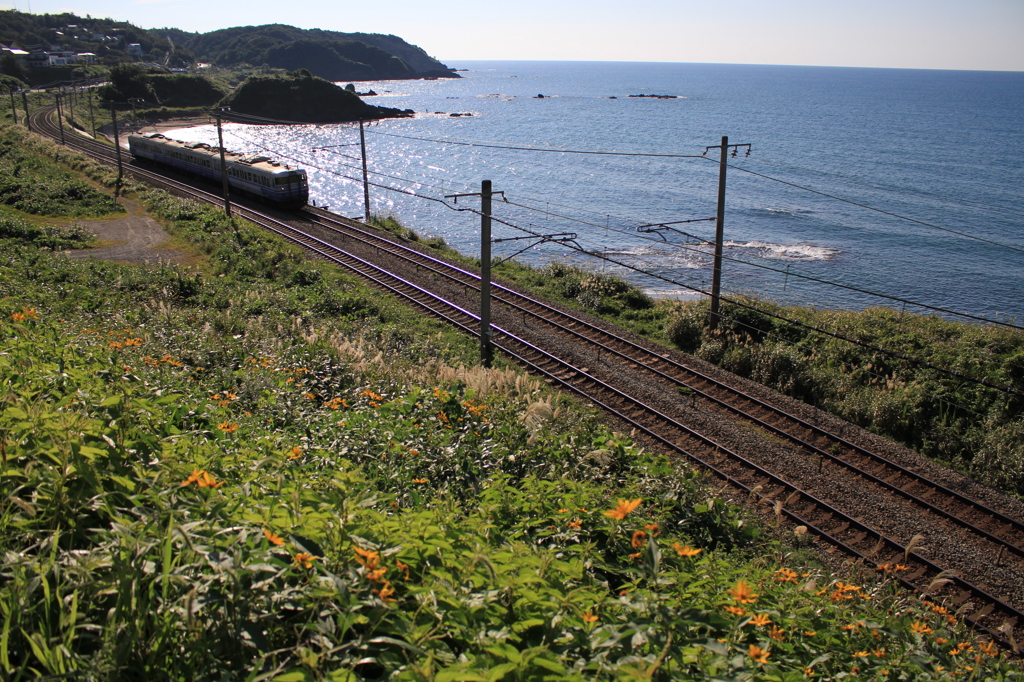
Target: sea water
{"points": [[863, 187]]}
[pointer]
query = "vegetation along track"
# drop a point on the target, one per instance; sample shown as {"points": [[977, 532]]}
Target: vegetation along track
{"points": [[810, 473]]}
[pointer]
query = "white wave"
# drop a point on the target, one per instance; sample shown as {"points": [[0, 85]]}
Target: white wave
{"points": [[787, 251], [672, 293]]}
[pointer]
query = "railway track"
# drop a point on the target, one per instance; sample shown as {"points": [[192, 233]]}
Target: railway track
{"points": [[995, 534]]}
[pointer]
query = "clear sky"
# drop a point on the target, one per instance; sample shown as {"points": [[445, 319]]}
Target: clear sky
{"points": [[928, 34]]}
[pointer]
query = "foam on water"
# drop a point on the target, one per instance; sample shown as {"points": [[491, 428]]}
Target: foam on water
{"points": [[803, 252]]}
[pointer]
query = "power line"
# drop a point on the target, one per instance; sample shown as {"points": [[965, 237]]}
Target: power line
{"points": [[879, 210], [495, 145]]}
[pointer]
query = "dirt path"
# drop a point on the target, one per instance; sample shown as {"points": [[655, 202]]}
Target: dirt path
{"points": [[135, 239]]}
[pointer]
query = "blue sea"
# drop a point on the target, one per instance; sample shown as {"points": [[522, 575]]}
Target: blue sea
{"points": [[863, 187]]}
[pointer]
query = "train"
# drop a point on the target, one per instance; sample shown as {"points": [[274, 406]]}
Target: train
{"points": [[273, 182]]}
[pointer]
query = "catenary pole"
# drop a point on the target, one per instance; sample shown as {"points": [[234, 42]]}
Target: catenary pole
{"points": [[24, 101], [117, 149], [366, 179], [14, 108], [486, 347], [716, 280], [223, 168], [60, 117]]}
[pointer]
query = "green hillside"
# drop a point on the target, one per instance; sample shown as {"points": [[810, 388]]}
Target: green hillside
{"points": [[257, 468]]}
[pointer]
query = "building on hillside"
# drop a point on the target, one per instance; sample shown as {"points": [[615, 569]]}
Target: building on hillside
{"points": [[134, 50], [86, 57]]}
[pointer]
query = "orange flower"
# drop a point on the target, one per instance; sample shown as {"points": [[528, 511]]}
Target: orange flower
{"points": [[589, 617], [274, 539], [760, 619], [878, 653], [576, 524], [758, 654], [743, 594], [377, 574], [653, 529], [776, 633], [621, 511], [227, 427], [296, 453], [367, 558], [385, 592], [202, 479], [785, 575], [860, 654], [735, 610], [304, 560], [686, 551], [402, 567], [810, 633], [419, 480], [639, 539], [920, 628]]}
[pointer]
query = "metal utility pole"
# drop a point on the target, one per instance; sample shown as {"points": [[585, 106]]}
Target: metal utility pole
{"points": [[223, 168], [117, 149], [716, 281], [60, 117], [71, 104], [14, 109], [24, 101], [486, 346], [366, 180], [486, 333], [92, 117]]}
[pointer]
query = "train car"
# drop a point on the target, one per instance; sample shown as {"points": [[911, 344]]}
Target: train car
{"points": [[257, 176]]}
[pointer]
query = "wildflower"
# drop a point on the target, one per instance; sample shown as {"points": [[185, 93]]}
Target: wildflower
{"points": [[879, 653], [735, 610], [920, 628], [760, 619], [951, 619], [273, 538], [810, 633], [296, 453], [589, 617], [636, 556], [385, 592], [309, 395], [989, 648], [776, 633], [227, 427], [621, 511], [860, 654], [576, 524], [402, 567], [785, 575], [686, 551], [939, 609], [377, 574], [900, 567], [743, 594], [653, 529], [954, 652], [304, 560], [419, 480], [883, 567], [18, 317], [941, 640], [639, 539], [758, 654], [853, 626], [202, 479], [367, 558]]}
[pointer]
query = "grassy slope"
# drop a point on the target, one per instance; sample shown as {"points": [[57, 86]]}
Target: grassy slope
{"points": [[262, 470]]}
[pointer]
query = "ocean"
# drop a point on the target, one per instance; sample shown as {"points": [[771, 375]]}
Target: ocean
{"points": [[863, 187]]}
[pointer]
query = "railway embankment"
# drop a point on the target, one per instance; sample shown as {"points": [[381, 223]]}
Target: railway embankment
{"points": [[257, 464]]}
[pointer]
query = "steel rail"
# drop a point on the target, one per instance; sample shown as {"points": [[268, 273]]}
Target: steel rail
{"points": [[645, 359]]}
